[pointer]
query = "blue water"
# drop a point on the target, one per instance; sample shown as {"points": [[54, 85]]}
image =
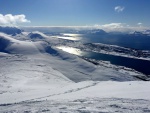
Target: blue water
{"points": [[137, 64], [129, 41], [136, 42]]}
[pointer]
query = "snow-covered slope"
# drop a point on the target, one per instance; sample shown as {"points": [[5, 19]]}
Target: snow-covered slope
{"points": [[11, 45], [26, 69], [88, 96], [32, 70]]}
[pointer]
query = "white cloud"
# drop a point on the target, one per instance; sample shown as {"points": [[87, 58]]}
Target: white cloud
{"points": [[139, 23], [10, 19], [122, 27], [119, 8], [113, 25]]}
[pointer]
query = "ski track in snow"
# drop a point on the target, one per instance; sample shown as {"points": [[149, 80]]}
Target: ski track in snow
{"points": [[68, 91]]}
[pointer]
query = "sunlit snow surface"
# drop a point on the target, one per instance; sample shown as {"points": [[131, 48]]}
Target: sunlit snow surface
{"points": [[36, 77], [89, 105]]}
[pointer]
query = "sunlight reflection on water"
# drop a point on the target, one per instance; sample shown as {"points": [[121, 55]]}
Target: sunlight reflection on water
{"points": [[70, 36], [71, 50]]}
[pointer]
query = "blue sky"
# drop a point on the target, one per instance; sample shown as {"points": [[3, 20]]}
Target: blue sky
{"points": [[75, 12]]}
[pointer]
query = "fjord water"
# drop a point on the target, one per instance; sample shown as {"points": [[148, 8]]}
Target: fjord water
{"points": [[141, 42], [130, 41], [124, 40], [137, 64]]}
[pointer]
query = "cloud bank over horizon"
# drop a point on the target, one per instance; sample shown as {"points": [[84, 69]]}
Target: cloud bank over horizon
{"points": [[111, 27], [122, 27], [10, 19]]}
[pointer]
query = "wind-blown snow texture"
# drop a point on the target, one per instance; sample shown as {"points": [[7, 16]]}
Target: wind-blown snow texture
{"points": [[37, 77]]}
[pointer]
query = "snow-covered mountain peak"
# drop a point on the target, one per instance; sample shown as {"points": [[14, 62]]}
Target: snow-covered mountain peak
{"points": [[141, 33], [10, 30], [10, 45], [37, 35]]}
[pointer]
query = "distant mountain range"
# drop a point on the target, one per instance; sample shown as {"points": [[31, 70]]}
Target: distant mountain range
{"points": [[15, 30], [10, 30], [141, 33], [92, 31]]}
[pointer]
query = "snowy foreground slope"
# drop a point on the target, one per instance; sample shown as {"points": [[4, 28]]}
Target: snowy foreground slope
{"points": [[34, 77]]}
